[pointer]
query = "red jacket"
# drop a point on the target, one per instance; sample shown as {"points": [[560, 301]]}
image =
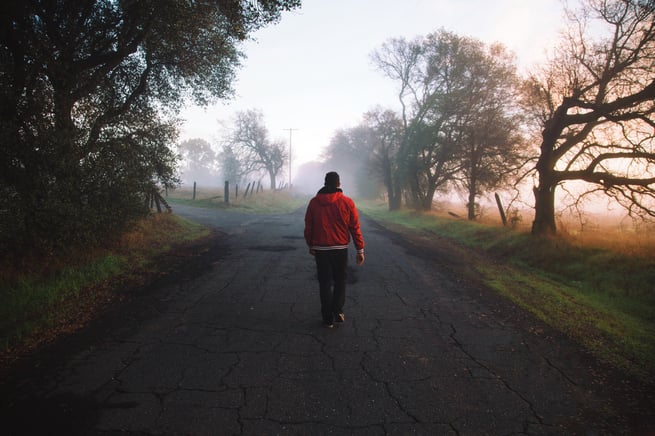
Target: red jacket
{"points": [[330, 220]]}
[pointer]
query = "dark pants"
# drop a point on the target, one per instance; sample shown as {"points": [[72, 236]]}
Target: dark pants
{"points": [[331, 266]]}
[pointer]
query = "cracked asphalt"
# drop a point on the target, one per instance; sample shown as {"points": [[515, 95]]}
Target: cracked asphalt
{"points": [[236, 346]]}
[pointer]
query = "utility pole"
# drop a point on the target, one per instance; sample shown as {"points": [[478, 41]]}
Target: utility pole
{"points": [[290, 131]]}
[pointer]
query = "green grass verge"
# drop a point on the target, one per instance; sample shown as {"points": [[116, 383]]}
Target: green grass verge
{"points": [[600, 297], [28, 301], [61, 293]]}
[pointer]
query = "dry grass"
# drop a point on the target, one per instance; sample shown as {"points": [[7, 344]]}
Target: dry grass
{"points": [[202, 193], [632, 241], [593, 230], [261, 202]]}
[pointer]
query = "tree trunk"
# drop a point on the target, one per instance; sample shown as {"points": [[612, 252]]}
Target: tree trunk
{"points": [[395, 198], [544, 210], [416, 197], [471, 205], [473, 186], [272, 178], [392, 185], [426, 202], [544, 194]]}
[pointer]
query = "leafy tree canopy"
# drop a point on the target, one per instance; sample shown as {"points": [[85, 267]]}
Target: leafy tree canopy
{"points": [[88, 93], [455, 93], [199, 162]]}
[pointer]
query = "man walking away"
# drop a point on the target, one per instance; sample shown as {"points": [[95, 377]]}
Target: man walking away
{"points": [[331, 219]]}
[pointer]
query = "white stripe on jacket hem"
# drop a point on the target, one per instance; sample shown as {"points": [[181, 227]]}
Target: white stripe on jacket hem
{"points": [[332, 247]]}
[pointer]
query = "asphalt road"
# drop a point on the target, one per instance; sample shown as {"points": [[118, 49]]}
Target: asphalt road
{"points": [[235, 346]]}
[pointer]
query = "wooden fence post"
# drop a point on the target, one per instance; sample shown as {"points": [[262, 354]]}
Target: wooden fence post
{"points": [[156, 198], [226, 191], [501, 210], [194, 190]]}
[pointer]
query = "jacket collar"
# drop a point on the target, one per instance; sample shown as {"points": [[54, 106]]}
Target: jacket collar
{"points": [[328, 190]]}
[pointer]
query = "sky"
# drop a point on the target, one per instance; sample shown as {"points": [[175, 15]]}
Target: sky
{"points": [[312, 72]]}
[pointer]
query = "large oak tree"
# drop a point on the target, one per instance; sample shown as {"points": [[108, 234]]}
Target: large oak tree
{"points": [[88, 94], [595, 103]]}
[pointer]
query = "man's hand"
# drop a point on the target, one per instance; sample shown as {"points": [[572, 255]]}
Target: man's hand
{"points": [[312, 252], [359, 258]]}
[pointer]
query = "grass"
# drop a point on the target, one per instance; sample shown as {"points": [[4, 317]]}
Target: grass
{"points": [[262, 202], [596, 290], [46, 296]]}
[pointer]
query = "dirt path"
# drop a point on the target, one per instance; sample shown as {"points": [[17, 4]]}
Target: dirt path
{"points": [[233, 344]]}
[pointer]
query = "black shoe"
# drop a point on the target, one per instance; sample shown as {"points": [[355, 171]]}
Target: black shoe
{"points": [[328, 325], [339, 317]]}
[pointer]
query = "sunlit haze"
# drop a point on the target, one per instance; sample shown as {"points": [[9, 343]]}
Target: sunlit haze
{"points": [[312, 71]]}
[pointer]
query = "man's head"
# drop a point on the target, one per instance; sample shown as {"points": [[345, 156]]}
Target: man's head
{"points": [[332, 180]]}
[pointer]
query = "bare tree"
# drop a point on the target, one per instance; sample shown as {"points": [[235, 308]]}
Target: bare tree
{"points": [[256, 152], [595, 104]]}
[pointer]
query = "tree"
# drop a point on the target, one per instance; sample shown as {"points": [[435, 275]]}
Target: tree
{"points": [[199, 161], [423, 155], [490, 157], [256, 152], [386, 133], [349, 153], [595, 103], [451, 89], [230, 165], [88, 92], [491, 142]]}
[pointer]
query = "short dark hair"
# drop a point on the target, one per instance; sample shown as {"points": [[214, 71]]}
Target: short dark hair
{"points": [[332, 179]]}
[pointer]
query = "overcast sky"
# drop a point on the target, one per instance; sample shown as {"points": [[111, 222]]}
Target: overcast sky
{"points": [[312, 70]]}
